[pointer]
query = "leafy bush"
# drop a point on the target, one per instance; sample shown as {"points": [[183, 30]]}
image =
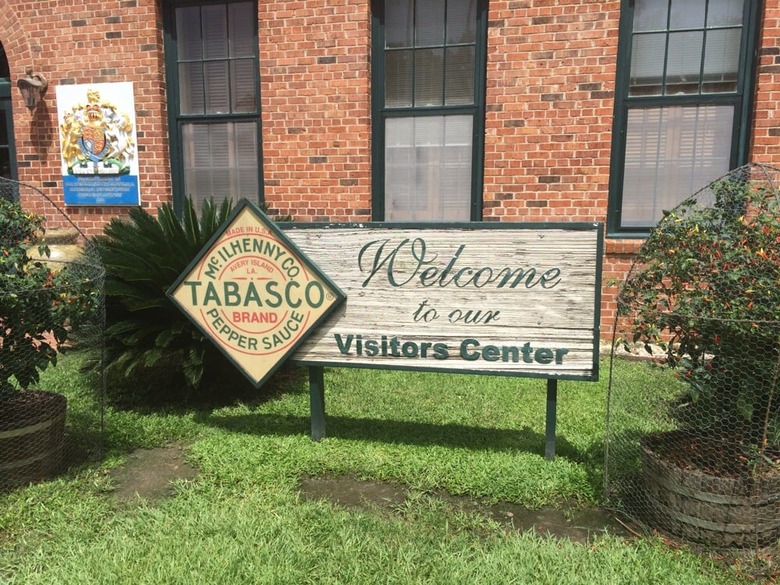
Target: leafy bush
{"points": [[706, 290], [40, 305], [154, 354]]}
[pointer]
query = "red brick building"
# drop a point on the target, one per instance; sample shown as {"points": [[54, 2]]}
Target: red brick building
{"points": [[353, 110]]}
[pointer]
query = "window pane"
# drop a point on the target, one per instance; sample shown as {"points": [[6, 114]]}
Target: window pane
{"points": [[4, 127], [191, 98], [242, 29], [246, 139], [430, 22], [188, 45], [399, 23], [5, 162], [428, 168], [5, 71], [647, 64], [220, 160], [688, 54], [399, 168], [423, 77], [218, 151], [687, 14], [218, 76], [684, 62], [5, 150], [215, 32], [725, 12], [246, 174], [399, 72], [459, 88], [672, 152], [428, 159], [650, 15], [242, 74], [429, 77], [461, 21], [721, 60], [455, 190], [217, 95]]}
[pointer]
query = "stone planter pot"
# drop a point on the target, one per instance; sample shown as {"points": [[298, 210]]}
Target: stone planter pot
{"points": [[32, 437], [715, 510]]}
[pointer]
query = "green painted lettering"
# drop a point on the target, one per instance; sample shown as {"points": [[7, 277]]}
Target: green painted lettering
{"points": [[252, 296], [315, 295], [551, 278], [212, 268], [232, 296], [417, 263], [194, 285], [211, 295], [466, 351], [276, 298], [292, 302], [510, 353], [543, 355], [490, 353]]}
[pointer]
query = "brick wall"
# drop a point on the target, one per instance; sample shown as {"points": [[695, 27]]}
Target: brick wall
{"points": [[550, 82], [73, 42], [316, 108], [549, 98], [765, 143]]}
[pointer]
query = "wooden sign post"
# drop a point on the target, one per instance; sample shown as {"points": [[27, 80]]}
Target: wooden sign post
{"points": [[480, 298]]}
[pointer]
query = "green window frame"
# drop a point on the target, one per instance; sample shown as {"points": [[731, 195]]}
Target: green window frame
{"points": [[8, 163], [212, 66], [682, 104], [428, 73]]}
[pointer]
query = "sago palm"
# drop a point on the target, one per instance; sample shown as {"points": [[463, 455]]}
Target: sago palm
{"points": [[145, 332]]}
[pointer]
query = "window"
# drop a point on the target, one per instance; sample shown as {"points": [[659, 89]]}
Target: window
{"points": [[7, 152], [681, 105], [213, 101], [428, 72]]}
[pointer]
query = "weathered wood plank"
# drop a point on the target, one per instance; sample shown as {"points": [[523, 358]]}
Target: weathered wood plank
{"points": [[487, 298]]}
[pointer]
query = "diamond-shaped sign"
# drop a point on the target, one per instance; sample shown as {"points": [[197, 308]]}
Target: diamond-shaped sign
{"points": [[254, 293]]}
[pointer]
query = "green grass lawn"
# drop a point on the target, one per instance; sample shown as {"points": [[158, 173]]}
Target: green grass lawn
{"points": [[243, 520]]}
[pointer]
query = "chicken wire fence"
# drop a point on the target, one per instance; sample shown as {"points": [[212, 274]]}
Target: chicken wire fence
{"points": [[51, 340], [693, 430]]}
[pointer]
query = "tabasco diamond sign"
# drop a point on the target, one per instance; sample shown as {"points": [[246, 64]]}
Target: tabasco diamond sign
{"points": [[254, 293]]}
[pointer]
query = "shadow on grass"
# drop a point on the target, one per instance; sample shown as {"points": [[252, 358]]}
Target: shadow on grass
{"points": [[406, 432]]}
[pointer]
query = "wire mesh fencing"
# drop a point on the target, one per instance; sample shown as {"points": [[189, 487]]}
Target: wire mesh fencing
{"points": [[693, 433], [51, 340]]}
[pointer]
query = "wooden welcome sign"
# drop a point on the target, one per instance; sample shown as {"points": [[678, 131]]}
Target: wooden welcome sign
{"points": [[488, 298], [484, 298]]}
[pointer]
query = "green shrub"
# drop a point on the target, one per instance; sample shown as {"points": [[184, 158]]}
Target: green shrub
{"points": [[706, 290], [39, 306]]}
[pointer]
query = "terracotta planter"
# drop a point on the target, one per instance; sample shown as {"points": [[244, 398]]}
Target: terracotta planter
{"points": [[32, 437], [719, 511]]}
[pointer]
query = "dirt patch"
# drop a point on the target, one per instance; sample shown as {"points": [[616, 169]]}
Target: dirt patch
{"points": [[353, 493], [579, 525], [150, 474]]}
